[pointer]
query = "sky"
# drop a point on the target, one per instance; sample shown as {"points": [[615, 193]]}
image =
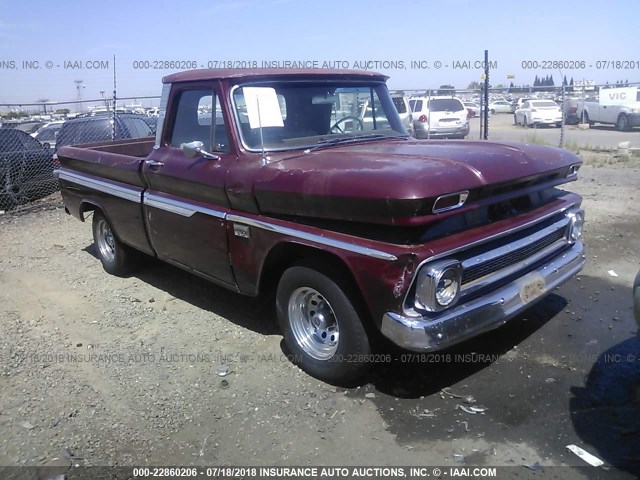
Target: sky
{"points": [[418, 45]]}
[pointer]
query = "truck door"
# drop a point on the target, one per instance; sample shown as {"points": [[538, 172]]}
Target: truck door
{"points": [[185, 203]]}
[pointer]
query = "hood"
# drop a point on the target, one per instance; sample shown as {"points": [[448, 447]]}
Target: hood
{"points": [[397, 181]]}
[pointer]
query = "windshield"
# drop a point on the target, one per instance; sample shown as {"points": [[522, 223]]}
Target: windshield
{"points": [[288, 115]]}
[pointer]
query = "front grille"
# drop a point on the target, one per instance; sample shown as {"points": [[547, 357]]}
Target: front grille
{"points": [[475, 272]]}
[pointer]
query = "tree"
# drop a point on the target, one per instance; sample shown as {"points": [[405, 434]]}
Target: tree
{"points": [[474, 86], [564, 81]]}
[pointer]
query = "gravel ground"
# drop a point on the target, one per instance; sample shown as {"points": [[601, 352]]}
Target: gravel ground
{"points": [[111, 371]]}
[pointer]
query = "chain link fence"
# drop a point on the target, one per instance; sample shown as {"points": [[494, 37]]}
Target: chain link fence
{"points": [[577, 117], [580, 116], [31, 134]]}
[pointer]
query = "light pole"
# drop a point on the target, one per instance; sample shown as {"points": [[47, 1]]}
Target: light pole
{"points": [[79, 86]]}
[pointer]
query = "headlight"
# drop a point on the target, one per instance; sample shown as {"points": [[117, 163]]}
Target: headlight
{"points": [[576, 222], [438, 285]]}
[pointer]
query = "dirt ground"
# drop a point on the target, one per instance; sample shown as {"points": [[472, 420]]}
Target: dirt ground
{"points": [[110, 371]]}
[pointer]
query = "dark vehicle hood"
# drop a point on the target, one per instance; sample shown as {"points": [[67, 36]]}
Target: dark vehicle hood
{"points": [[396, 181]]}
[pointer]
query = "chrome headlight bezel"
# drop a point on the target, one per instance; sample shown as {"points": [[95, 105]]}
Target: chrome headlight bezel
{"points": [[429, 288], [576, 225]]}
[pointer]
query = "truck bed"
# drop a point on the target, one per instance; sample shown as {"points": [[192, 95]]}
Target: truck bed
{"points": [[137, 147]]}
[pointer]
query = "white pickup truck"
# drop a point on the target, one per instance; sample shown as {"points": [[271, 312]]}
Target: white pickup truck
{"points": [[617, 106]]}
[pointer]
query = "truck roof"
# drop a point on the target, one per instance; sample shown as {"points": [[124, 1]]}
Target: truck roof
{"points": [[228, 73]]}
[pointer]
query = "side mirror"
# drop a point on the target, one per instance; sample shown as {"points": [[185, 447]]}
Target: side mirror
{"points": [[195, 148], [46, 146]]}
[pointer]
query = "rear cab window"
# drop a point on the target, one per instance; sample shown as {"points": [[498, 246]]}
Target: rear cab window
{"points": [[194, 121]]}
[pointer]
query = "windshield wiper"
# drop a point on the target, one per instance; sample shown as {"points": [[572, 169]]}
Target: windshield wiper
{"points": [[323, 142]]}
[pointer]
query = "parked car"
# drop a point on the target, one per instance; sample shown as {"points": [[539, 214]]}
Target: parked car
{"points": [[500, 106], [517, 103], [48, 133], [152, 121], [473, 108], [538, 112], [401, 105], [439, 117], [26, 168], [361, 233], [614, 106], [29, 126], [99, 128], [404, 111]]}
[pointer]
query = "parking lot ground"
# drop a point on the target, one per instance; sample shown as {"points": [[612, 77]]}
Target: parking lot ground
{"points": [[598, 137], [124, 371]]}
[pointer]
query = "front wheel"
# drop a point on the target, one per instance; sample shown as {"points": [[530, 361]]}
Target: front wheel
{"points": [[321, 326], [117, 258]]}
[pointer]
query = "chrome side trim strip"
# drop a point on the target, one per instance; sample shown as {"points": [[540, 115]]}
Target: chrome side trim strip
{"points": [[126, 193], [179, 207], [370, 252]]}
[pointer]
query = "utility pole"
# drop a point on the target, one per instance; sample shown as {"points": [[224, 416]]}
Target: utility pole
{"points": [[79, 86]]}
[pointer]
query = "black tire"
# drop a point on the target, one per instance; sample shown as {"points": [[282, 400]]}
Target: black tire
{"points": [[7, 198], [117, 258], [329, 343], [11, 191], [622, 123]]}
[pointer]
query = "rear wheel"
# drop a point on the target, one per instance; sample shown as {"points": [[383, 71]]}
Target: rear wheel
{"points": [[117, 258], [622, 123], [321, 326]]}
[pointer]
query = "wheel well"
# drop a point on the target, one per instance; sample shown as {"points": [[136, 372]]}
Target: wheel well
{"points": [[285, 255], [88, 207]]}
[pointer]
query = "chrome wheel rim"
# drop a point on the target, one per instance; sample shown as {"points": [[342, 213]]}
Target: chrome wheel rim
{"points": [[313, 323], [106, 242]]}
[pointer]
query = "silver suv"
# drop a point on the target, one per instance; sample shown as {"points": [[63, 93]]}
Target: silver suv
{"points": [[439, 117]]}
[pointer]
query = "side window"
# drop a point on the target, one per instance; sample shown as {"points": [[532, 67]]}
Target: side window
{"points": [[199, 118], [136, 127]]}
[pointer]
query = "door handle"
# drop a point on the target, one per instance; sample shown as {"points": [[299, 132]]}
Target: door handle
{"points": [[154, 163]]}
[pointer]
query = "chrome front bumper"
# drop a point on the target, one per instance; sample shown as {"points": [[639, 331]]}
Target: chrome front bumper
{"points": [[479, 315]]}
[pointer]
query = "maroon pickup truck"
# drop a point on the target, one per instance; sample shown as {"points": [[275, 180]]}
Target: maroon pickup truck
{"points": [[260, 178]]}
